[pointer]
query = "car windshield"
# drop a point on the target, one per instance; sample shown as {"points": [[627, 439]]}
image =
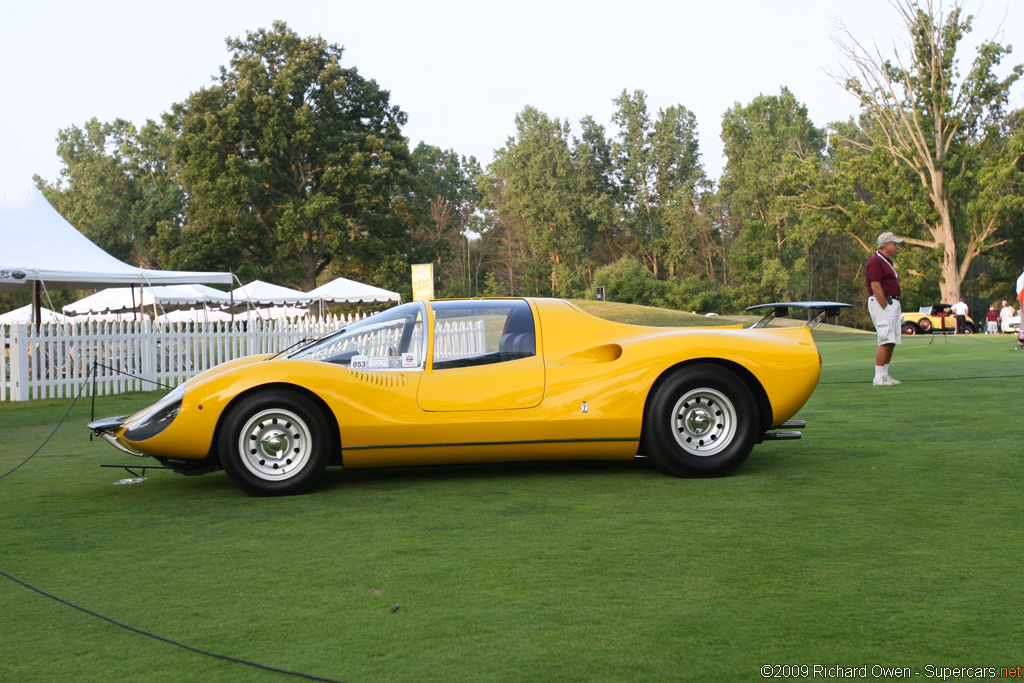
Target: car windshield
{"points": [[390, 339]]}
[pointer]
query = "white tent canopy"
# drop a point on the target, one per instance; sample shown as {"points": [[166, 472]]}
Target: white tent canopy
{"points": [[259, 293], [201, 315], [24, 315], [38, 245], [125, 317], [194, 315], [274, 313], [118, 299], [345, 291], [192, 295]]}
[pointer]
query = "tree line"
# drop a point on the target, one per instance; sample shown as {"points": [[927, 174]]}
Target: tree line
{"points": [[292, 167]]}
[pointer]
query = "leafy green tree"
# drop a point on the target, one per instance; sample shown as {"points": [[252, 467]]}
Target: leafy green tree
{"points": [[117, 186], [765, 143], [934, 157], [503, 242], [701, 243], [837, 202], [290, 163], [541, 207], [441, 210], [593, 153], [657, 165], [628, 281]]}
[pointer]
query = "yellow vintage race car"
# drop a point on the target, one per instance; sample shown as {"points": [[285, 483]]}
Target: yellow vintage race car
{"points": [[485, 380], [936, 318]]}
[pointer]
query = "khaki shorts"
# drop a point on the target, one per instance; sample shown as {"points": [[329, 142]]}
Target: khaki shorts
{"points": [[887, 322]]}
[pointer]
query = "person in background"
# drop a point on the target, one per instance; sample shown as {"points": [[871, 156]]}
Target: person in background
{"points": [[1005, 313], [960, 310], [992, 321], [883, 285]]}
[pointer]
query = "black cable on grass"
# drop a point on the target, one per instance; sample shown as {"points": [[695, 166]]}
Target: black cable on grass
{"points": [[92, 373], [113, 621], [59, 424], [161, 638]]}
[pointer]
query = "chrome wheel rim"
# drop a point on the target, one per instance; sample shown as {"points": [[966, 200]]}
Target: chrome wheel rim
{"points": [[275, 444], [703, 422]]}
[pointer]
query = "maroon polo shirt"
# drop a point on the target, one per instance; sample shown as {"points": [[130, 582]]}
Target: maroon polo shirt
{"points": [[880, 269]]}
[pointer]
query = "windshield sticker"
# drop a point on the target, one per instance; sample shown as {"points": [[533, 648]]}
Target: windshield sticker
{"points": [[405, 360]]}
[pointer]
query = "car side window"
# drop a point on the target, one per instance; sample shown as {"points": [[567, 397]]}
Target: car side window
{"points": [[469, 333]]}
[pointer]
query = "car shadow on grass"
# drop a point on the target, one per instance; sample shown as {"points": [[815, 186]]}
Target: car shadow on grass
{"points": [[556, 472], [337, 477]]}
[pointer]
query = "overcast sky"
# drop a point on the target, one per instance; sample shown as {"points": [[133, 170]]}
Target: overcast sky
{"points": [[460, 70]]}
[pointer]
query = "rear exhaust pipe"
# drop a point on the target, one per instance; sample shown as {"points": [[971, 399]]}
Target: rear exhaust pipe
{"points": [[785, 436], [781, 436]]}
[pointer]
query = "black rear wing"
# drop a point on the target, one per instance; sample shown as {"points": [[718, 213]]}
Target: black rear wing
{"points": [[828, 309]]}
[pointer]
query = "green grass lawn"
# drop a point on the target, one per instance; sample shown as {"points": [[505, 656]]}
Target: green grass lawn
{"points": [[890, 534]]}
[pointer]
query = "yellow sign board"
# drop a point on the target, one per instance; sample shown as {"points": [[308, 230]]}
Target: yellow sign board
{"points": [[422, 281]]}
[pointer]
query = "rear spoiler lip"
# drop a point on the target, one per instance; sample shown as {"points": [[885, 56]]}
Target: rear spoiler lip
{"points": [[781, 310]]}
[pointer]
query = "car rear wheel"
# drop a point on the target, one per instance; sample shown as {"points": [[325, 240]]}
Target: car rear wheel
{"points": [[274, 443], [701, 420]]}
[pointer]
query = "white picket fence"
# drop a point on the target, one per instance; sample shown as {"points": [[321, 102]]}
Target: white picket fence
{"points": [[63, 360], [460, 338]]}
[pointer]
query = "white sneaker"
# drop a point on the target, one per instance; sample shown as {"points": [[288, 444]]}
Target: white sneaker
{"points": [[885, 381], [892, 380]]}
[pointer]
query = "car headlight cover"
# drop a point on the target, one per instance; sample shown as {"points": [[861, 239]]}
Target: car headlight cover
{"points": [[156, 418]]}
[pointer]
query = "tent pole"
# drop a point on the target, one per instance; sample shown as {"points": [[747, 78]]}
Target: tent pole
{"points": [[37, 303]]}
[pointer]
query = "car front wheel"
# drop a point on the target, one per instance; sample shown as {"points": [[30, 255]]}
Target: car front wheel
{"points": [[701, 420], [909, 328], [274, 444]]}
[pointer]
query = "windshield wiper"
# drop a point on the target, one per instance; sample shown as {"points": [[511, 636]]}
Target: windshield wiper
{"points": [[288, 348]]}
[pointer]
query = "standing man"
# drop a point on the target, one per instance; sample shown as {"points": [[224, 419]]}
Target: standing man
{"points": [[1005, 313], [960, 310], [992, 321], [883, 284]]}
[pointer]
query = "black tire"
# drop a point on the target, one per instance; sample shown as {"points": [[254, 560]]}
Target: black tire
{"points": [[274, 443], [910, 328], [969, 328], [701, 420]]}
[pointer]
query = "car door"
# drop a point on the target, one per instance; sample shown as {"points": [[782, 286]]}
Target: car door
{"points": [[485, 356]]}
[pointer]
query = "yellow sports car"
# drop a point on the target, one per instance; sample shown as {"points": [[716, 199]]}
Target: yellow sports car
{"points": [[484, 380]]}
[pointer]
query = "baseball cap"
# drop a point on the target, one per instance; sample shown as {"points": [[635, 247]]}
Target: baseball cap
{"points": [[887, 237]]}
